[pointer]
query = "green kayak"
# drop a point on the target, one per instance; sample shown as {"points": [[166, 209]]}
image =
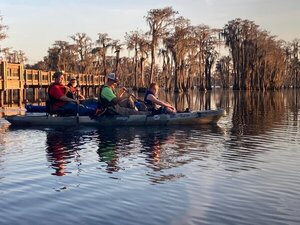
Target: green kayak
{"points": [[187, 118]]}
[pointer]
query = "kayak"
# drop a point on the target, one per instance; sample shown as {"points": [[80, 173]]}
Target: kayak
{"points": [[184, 118]]}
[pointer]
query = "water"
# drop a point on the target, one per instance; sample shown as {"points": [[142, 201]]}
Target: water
{"points": [[245, 170]]}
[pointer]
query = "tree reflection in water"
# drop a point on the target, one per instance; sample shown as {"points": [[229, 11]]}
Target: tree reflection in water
{"points": [[254, 115], [250, 115]]}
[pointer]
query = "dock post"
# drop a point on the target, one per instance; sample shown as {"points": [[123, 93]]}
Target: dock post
{"points": [[11, 96], [21, 97], [34, 93], [24, 94], [21, 85], [1, 98], [6, 95]]}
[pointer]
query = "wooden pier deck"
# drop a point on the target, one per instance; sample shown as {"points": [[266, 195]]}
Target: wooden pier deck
{"points": [[16, 82]]}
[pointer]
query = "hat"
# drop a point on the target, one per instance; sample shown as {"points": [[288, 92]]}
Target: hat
{"points": [[112, 76], [57, 74], [72, 78]]}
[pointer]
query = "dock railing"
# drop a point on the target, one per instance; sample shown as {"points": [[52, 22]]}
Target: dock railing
{"points": [[15, 80]]}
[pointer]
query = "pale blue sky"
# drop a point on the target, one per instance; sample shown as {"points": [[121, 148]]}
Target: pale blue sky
{"points": [[34, 25]]}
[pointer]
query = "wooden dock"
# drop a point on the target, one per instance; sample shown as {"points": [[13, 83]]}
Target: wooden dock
{"points": [[16, 83]]}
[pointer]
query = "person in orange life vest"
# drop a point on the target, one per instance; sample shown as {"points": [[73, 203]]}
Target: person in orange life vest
{"points": [[74, 89], [63, 104], [155, 105]]}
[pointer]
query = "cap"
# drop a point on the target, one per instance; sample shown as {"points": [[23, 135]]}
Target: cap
{"points": [[72, 78], [112, 76], [57, 74]]}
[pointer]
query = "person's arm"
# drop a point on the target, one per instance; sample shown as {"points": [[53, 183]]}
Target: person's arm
{"points": [[79, 95], [59, 94], [153, 99], [121, 92], [119, 97]]}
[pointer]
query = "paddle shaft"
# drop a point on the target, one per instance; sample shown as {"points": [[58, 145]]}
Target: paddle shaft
{"points": [[77, 97], [136, 98]]}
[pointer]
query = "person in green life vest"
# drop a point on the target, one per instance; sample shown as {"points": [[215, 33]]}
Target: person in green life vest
{"points": [[117, 103]]}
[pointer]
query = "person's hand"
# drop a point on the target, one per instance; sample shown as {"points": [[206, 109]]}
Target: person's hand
{"points": [[169, 105], [124, 89], [172, 108]]}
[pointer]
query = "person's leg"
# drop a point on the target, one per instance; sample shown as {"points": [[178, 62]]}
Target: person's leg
{"points": [[140, 106], [123, 102], [85, 110], [168, 110], [130, 104], [162, 110], [71, 108], [127, 111], [127, 103]]}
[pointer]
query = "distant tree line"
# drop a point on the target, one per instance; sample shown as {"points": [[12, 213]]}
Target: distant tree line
{"points": [[180, 56], [259, 61]]}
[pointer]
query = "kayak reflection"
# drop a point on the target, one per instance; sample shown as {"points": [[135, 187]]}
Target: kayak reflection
{"points": [[61, 150], [108, 152], [153, 149], [157, 152]]}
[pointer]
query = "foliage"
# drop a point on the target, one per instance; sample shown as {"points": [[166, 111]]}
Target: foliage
{"points": [[3, 29], [188, 55]]}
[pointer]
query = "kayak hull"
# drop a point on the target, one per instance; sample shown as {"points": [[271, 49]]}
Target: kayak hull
{"points": [[190, 118]]}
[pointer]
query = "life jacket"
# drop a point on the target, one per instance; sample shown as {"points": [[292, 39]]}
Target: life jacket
{"points": [[104, 103], [51, 102], [150, 105], [52, 99]]}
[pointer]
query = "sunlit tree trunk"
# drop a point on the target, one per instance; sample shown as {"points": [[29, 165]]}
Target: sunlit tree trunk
{"points": [[158, 21]]}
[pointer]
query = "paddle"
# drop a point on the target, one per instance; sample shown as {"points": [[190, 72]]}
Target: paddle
{"points": [[131, 94], [136, 98], [77, 103], [77, 113], [142, 106]]}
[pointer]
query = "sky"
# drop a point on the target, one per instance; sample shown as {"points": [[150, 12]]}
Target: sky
{"points": [[34, 25]]}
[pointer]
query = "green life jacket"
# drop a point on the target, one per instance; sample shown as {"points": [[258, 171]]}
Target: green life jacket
{"points": [[104, 103]]}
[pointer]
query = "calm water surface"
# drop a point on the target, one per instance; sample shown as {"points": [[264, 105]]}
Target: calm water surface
{"points": [[245, 170]]}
